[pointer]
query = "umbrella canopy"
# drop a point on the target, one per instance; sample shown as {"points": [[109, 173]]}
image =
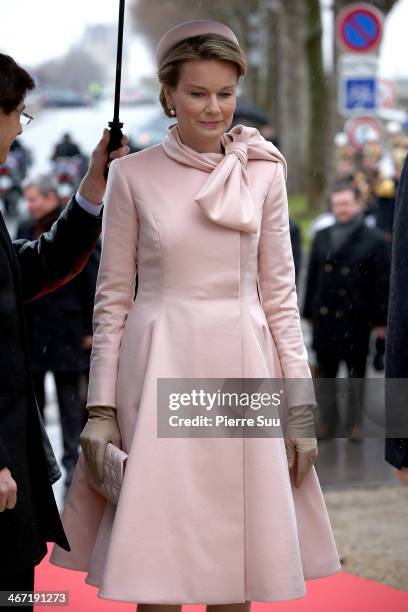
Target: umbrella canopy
{"points": [[246, 111]]}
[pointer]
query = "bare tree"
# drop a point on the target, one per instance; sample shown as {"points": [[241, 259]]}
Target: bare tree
{"points": [[293, 104], [319, 109], [153, 17]]}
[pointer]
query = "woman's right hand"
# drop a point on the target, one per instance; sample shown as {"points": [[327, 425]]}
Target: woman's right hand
{"points": [[100, 429]]}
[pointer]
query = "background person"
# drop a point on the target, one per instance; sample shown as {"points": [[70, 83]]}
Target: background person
{"points": [[66, 148], [345, 299], [59, 324]]}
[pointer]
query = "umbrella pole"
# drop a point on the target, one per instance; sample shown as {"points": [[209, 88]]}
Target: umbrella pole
{"points": [[116, 125]]}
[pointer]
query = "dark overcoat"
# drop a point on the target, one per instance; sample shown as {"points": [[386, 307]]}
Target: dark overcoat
{"points": [[347, 291], [29, 269], [396, 346], [58, 321]]}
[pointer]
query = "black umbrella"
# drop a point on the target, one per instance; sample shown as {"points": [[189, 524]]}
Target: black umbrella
{"points": [[116, 125], [245, 111]]}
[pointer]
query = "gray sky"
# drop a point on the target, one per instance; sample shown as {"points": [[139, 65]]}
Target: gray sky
{"points": [[35, 31]]}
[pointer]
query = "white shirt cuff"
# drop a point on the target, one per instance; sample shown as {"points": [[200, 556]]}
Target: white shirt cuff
{"points": [[90, 207]]}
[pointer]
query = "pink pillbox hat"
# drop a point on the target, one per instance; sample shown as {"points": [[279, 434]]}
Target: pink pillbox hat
{"points": [[188, 29]]}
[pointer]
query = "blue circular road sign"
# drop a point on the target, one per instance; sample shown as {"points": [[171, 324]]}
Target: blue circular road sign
{"points": [[359, 28]]}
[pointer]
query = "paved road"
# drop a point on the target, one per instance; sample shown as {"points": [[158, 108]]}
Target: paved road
{"points": [[84, 124]]}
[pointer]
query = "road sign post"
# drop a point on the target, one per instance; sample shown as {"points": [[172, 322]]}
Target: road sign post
{"points": [[359, 30]]}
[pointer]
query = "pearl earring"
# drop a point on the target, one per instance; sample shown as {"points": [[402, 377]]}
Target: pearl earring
{"points": [[172, 111]]}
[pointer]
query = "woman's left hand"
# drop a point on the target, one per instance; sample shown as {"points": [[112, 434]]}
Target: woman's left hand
{"points": [[301, 454]]}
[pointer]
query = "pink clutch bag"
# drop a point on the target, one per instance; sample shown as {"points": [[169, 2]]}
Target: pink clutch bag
{"points": [[113, 472]]}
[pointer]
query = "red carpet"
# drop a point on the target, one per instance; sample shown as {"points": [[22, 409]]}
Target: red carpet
{"points": [[341, 592]]}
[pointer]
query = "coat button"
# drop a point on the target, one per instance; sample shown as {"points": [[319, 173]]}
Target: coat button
{"points": [[339, 314], [323, 310], [328, 268], [345, 270]]}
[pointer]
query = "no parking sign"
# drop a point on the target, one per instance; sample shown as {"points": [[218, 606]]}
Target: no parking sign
{"points": [[359, 28]]}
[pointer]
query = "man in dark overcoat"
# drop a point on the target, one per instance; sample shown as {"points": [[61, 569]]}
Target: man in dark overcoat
{"points": [[58, 324], [28, 513], [396, 347], [346, 298]]}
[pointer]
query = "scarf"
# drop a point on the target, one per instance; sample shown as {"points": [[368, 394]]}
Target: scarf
{"points": [[225, 198], [342, 231]]}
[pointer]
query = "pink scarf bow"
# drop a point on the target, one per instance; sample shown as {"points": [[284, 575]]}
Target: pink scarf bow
{"points": [[225, 198]]}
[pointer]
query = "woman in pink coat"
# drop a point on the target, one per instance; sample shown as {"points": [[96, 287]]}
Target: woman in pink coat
{"points": [[203, 220]]}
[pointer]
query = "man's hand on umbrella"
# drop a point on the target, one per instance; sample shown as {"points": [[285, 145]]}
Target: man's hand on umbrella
{"points": [[93, 184], [8, 490], [402, 474]]}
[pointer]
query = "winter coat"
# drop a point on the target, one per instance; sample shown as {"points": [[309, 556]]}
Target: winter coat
{"points": [[29, 269]]}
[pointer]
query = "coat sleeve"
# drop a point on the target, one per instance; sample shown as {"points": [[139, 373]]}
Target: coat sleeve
{"points": [[296, 241], [380, 271], [276, 280], [5, 457], [311, 281], [115, 287], [396, 452], [396, 347], [59, 254], [87, 281]]}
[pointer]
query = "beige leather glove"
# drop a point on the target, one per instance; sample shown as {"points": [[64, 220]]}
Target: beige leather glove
{"points": [[100, 429], [300, 441]]}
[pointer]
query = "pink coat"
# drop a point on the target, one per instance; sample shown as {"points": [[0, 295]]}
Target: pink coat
{"points": [[199, 520]]}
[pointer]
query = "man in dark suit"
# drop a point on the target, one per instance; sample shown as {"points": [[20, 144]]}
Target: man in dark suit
{"points": [[58, 324], [66, 148], [396, 348], [346, 298], [28, 513]]}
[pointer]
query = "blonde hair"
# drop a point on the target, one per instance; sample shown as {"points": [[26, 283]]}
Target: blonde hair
{"points": [[205, 46]]}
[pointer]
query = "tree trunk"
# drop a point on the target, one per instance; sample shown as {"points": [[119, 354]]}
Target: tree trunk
{"points": [[335, 121], [292, 82], [271, 97], [317, 169]]}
